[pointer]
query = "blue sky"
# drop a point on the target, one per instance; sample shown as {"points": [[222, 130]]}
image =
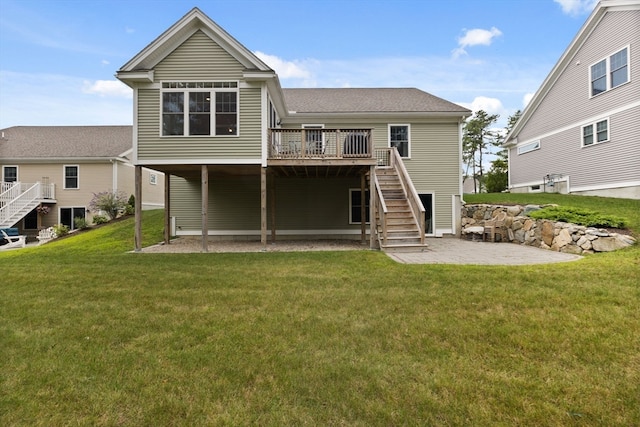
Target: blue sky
{"points": [[58, 58]]}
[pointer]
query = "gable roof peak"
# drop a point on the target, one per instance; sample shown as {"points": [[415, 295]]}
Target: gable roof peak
{"points": [[193, 21]]}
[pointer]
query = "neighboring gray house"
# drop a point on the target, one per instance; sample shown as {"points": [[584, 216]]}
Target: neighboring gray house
{"points": [[247, 159], [59, 168], [580, 133]]}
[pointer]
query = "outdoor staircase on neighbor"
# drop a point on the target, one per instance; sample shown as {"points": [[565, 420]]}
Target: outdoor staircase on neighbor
{"points": [[398, 221], [18, 199]]}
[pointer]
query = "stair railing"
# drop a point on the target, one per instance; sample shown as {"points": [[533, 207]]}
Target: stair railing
{"points": [[19, 200], [417, 209], [381, 210], [9, 191]]}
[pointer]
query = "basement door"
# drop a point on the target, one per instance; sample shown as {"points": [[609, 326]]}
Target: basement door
{"points": [[427, 202]]}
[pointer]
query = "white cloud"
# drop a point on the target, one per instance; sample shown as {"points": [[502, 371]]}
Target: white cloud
{"points": [[53, 99], [576, 7], [107, 88], [489, 105], [527, 98], [474, 37], [284, 69]]}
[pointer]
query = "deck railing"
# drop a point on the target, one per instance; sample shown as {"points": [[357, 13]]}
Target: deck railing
{"points": [[320, 143], [15, 197]]}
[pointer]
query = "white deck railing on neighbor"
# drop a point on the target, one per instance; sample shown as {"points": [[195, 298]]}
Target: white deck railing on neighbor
{"points": [[16, 197]]}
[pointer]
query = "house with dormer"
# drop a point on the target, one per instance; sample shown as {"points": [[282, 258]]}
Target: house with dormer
{"points": [[245, 158], [580, 132]]}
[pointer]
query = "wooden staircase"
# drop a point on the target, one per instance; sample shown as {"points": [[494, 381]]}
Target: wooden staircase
{"points": [[403, 232]]}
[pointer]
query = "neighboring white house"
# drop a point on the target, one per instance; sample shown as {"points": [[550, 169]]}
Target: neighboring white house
{"points": [[580, 133]]}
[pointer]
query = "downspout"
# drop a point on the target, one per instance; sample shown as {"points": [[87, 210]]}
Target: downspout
{"points": [[114, 175]]}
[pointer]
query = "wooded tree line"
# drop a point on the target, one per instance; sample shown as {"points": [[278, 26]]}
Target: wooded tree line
{"points": [[479, 140]]}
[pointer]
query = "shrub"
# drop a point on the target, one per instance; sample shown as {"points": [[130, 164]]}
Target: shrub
{"points": [[578, 216], [80, 223], [61, 230], [100, 219], [110, 202]]}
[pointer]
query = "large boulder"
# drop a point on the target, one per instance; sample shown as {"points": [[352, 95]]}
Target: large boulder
{"points": [[612, 243], [548, 232]]}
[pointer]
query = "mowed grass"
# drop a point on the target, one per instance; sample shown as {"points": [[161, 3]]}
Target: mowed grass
{"points": [[93, 335]]}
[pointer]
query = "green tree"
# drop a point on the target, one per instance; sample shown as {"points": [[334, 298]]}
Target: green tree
{"points": [[497, 179], [477, 138], [109, 202]]}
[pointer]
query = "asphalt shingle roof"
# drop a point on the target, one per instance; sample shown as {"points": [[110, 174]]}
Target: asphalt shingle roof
{"points": [[367, 100], [32, 142]]}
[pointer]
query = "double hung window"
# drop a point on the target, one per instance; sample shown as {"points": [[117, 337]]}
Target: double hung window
{"points": [[9, 173], [399, 138], [71, 177], [199, 108], [609, 72]]}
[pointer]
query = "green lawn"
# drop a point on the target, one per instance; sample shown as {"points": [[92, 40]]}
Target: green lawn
{"points": [[93, 335]]}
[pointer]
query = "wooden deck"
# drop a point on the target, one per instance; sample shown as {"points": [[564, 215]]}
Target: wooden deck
{"points": [[328, 145]]}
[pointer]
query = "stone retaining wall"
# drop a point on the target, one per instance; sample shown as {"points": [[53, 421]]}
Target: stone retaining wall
{"points": [[542, 233]]}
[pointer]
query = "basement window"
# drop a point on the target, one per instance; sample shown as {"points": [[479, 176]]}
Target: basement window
{"points": [[531, 146]]}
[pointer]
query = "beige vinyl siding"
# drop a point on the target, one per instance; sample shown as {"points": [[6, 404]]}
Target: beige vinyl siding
{"points": [[152, 195], [198, 58], [234, 203], [93, 178]]}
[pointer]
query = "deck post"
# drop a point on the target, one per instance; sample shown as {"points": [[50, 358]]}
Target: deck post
{"points": [[205, 207], [372, 206], [137, 238], [363, 207], [263, 207], [167, 209], [272, 205]]}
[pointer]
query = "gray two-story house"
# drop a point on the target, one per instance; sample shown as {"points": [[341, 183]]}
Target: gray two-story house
{"points": [[247, 159], [580, 133]]}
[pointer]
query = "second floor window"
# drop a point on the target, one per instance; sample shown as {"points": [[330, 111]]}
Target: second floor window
{"points": [[199, 108], [399, 138], [9, 173], [610, 72], [71, 177]]}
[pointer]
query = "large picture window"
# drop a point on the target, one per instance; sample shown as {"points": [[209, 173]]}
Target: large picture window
{"points": [[609, 72], [211, 108], [399, 138]]}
